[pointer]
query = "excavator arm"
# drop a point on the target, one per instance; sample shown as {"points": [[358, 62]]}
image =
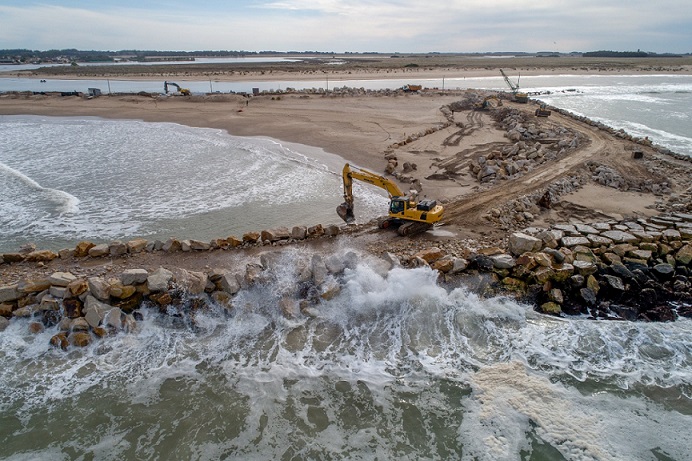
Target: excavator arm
{"points": [[345, 210]]}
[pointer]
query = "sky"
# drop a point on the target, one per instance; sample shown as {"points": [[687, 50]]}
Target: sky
{"points": [[349, 25]]}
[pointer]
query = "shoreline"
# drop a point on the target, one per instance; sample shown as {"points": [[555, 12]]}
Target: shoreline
{"points": [[338, 76], [374, 129]]}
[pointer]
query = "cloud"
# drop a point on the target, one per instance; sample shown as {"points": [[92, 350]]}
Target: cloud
{"points": [[356, 25]]}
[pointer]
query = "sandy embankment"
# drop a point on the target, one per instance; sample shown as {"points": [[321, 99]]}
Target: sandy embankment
{"points": [[362, 129]]}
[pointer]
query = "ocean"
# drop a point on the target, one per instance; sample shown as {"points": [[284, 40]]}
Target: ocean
{"points": [[396, 366]]}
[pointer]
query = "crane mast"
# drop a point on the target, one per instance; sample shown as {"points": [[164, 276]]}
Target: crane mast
{"points": [[518, 97]]}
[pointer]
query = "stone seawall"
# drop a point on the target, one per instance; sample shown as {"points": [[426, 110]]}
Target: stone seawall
{"points": [[631, 270]]}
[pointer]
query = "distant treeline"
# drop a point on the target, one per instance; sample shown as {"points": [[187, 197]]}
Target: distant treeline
{"points": [[626, 54], [23, 55]]}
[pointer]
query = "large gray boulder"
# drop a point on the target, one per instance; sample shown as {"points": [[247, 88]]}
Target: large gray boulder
{"points": [[520, 243], [134, 276], [159, 279]]}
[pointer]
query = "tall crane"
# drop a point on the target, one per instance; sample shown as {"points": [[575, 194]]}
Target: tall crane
{"points": [[518, 97]]}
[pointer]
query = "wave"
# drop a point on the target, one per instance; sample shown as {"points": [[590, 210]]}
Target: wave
{"points": [[394, 363], [66, 203]]}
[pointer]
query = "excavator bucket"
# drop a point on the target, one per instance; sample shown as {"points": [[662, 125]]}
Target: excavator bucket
{"points": [[346, 213]]}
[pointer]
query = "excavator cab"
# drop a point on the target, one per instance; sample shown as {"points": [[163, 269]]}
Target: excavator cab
{"points": [[397, 206]]}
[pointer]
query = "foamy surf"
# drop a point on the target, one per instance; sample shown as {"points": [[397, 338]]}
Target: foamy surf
{"points": [[395, 366], [157, 180]]}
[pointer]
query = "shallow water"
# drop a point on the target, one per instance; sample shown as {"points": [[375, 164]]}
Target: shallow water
{"points": [[63, 180], [394, 367]]}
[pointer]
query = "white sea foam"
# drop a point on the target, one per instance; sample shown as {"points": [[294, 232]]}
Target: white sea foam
{"points": [[394, 366], [158, 180]]}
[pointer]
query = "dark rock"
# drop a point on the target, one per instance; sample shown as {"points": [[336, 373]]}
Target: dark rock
{"points": [[614, 282], [626, 312], [483, 263], [557, 256], [576, 281], [588, 296], [50, 318], [664, 271], [621, 271], [660, 314], [647, 299]]}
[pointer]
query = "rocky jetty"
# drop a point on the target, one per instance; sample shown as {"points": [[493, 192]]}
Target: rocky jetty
{"points": [[83, 309], [628, 270]]}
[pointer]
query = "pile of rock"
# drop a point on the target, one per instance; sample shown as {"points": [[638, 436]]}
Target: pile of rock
{"points": [[82, 309], [532, 145], [277, 236], [616, 270]]}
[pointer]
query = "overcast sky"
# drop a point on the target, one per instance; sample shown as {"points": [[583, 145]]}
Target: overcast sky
{"points": [[350, 25]]}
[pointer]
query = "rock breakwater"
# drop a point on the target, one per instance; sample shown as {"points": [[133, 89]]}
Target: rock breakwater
{"points": [[629, 270]]}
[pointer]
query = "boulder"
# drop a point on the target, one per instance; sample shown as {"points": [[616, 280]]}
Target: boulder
{"points": [[251, 237], [59, 340], [316, 231], [552, 308], [332, 230], [33, 286], [94, 311], [78, 287], [99, 288], [684, 255], [503, 261], [9, 293], [159, 279], [61, 279], [99, 250], [444, 264], [319, 270], [570, 242], [134, 276], [41, 256], [121, 291], [584, 268], [459, 265], [80, 339], [192, 281], [117, 248], [299, 233], [618, 236], [430, 255], [274, 235], [82, 249], [229, 283], [172, 245], [520, 243], [136, 245]]}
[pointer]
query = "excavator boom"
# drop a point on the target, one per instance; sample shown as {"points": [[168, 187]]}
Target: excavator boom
{"points": [[345, 210]]}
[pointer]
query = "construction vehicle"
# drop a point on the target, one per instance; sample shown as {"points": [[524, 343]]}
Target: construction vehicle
{"points": [[183, 91], [411, 88], [518, 96], [405, 212], [488, 103], [542, 111]]}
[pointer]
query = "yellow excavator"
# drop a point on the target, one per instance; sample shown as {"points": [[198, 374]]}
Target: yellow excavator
{"points": [[183, 91], [405, 212]]}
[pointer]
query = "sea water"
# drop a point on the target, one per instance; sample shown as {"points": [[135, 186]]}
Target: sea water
{"points": [[394, 367], [63, 180]]}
